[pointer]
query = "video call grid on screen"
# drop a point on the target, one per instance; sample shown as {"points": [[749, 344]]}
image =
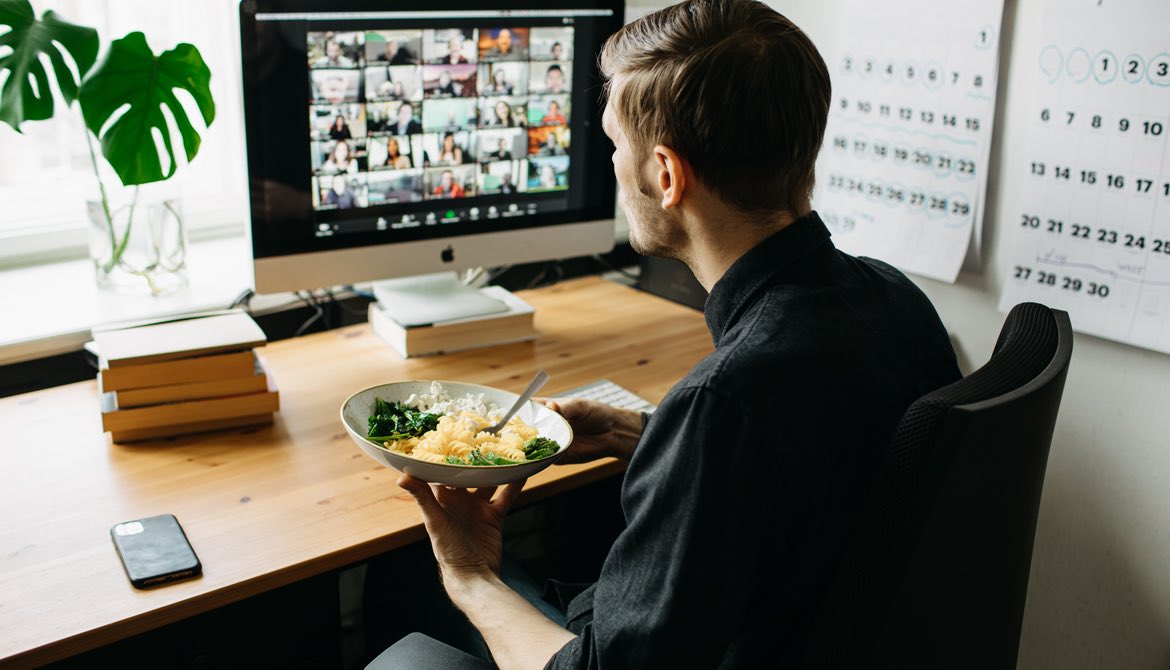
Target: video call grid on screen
{"points": [[401, 115]]}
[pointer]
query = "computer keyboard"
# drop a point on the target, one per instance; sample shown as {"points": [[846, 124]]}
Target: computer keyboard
{"points": [[603, 390]]}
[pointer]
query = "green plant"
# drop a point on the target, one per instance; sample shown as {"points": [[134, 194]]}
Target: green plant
{"points": [[120, 96]]}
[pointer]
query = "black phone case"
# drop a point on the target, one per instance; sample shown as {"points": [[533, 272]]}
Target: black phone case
{"points": [[155, 551]]}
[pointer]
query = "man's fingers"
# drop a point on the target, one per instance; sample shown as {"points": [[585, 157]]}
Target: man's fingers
{"points": [[486, 492], [554, 406], [508, 496], [421, 491]]}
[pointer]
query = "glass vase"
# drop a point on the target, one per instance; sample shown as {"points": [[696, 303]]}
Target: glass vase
{"points": [[138, 246]]}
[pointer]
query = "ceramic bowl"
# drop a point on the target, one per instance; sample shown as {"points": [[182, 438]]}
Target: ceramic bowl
{"points": [[356, 411]]}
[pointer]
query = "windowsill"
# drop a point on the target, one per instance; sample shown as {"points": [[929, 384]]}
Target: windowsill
{"points": [[49, 309]]}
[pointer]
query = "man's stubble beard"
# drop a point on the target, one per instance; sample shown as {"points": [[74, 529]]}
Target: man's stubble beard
{"points": [[653, 232]]}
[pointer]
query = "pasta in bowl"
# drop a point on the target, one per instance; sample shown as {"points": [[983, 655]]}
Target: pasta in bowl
{"points": [[434, 430]]}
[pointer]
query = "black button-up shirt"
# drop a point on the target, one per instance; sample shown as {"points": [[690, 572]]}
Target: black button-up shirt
{"points": [[743, 487]]}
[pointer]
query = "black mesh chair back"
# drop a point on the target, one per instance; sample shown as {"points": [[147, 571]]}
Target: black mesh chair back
{"points": [[936, 570]]}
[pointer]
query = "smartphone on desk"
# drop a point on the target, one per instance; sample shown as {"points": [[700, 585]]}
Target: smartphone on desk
{"points": [[155, 551]]}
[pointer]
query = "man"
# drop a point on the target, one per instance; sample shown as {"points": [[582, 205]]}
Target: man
{"points": [[340, 195], [447, 186], [551, 146], [505, 48], [406, 124], [742, 487], [396, 54], [333, 55], [554, 116], [554, 79], [502, 153], [506, 185]]}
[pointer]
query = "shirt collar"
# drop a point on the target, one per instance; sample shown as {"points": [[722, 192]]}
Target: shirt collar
{"points": [[732, 294]]}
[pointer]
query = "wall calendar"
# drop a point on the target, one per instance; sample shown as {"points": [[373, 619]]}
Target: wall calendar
{"points": [[903, 172], [1091, 229]]}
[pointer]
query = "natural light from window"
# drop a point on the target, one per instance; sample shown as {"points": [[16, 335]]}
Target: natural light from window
{"points": [[45, 171]]}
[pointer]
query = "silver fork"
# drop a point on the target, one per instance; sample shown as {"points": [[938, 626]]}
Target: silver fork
{"points": [[535, 385]]}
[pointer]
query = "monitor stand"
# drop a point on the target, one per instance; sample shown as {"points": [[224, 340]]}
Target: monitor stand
{"points": [[433, 298]]}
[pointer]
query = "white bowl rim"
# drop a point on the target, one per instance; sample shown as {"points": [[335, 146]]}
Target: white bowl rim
{"points": [[562, 450]]}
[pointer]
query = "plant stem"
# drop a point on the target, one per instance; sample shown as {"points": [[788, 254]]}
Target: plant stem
{"points": [[105, 201]]}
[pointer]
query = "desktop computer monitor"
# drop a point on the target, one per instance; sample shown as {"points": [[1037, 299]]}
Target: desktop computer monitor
{"points": [[388, 139]]}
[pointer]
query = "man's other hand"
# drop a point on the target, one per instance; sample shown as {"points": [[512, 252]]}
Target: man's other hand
{"points": [[599, 431]]}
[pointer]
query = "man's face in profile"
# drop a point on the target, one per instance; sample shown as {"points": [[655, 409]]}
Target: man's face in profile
{"points": [[652, 231]]}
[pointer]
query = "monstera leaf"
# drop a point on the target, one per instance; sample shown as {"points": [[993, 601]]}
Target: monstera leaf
{"points": [[131, 77], [28, 39]]}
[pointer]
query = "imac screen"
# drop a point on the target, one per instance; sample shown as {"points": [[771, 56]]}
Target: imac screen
{"points": [[374, 126]]}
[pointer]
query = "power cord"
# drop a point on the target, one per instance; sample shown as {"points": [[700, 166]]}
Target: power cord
{"points": [[244, 299], [311, 301]]}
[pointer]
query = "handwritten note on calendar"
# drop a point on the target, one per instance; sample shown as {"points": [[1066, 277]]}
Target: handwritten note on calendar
{"points": [[903, 172], [1091, 233]]}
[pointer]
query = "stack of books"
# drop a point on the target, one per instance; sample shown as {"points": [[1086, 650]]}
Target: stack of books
{"points": [[515, 324], [183, 376]]}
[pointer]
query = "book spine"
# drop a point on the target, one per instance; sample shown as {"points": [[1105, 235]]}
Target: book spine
{"points": [[194, 411], [199, 369], [195, 391]]}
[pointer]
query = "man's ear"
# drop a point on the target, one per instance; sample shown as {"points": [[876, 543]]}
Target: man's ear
{"points": [[671, 175]]}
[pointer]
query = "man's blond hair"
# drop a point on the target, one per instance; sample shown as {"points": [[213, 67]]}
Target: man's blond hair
{"points": [[732, 86]]}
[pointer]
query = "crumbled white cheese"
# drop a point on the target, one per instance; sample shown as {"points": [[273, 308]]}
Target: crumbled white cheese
{"points": [[439, 401]]}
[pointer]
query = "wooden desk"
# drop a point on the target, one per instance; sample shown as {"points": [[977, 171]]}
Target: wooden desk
{"points": [[268, 507]]}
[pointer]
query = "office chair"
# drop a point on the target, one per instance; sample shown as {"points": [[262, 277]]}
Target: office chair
{"points": [[935, 572]]}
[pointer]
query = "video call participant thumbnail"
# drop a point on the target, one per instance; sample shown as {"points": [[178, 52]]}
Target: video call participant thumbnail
{"points": [[448, 81], [548, 174], [335, 86], [503, 78], [551, 44], [335, 50], [398, 82], [394, 47], [449, 46], [390, 188], [450, 182], [550, 78], [496, 44], [503, 112]]}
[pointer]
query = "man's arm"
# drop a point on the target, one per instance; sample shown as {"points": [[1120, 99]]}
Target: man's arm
{"points": [[518, 634], [464, 528]]}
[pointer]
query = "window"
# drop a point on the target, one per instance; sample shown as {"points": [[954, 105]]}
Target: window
{"points": [[45, 172]]}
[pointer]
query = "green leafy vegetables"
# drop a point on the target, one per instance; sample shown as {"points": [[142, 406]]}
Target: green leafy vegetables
{"points": [[394, 421], [534, 450]]}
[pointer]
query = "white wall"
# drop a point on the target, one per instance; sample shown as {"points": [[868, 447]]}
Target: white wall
{"points": [[1099, 595]]}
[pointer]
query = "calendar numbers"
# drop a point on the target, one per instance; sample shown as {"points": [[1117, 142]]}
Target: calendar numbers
{"points": [[1059, 64], [1073, 120], [1102, 236], [1143, 185], [1060, 282]]}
